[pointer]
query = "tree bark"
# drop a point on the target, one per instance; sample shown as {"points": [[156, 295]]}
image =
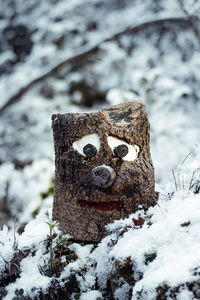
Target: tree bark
{"points": [[84, 205]]}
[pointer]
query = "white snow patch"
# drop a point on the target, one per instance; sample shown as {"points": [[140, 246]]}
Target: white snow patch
{"points": [[173, 237], [185, 295], [118, 96], [91, 295], [81, 251], [32, 238], [8, 238]]}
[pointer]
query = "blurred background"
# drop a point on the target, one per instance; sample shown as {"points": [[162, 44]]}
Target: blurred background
{"points": [[79, 55]]}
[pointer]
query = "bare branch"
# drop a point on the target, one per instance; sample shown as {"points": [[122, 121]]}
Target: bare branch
{"points": [[192, 20], [85, 52]]}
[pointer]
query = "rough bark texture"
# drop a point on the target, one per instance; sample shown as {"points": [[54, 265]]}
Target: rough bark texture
{"points": [[82, 208]]}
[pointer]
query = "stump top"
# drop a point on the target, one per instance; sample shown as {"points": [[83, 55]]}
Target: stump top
{"points": [[123, 113]]}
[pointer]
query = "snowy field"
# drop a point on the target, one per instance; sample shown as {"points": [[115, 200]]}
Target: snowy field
{"points": [[87, 55]]}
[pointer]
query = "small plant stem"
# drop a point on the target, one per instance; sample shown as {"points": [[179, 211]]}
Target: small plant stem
{"points": [[61, 251], [183, 162], [51, 250], [175, 180]]}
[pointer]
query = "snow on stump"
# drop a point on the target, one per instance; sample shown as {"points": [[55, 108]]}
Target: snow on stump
{"points": [[104, 170]]}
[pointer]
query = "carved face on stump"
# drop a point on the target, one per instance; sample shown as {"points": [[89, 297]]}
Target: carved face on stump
{"points": [[103, 168]]}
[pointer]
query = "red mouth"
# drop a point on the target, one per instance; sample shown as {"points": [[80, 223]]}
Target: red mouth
{"points": [[103, 206]]}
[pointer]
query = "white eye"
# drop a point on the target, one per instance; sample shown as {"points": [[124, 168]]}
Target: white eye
{"points": [[88, 145], [122, 149]]}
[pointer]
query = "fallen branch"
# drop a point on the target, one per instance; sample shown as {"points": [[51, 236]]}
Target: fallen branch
{"points": [[191, 19], [13, 99], [84, 53]]}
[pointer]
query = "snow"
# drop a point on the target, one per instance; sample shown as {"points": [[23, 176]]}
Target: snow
{"points": [[25, 186], [170, 231], [35, 231], [176, 246], [7, 241], [32, 238], [29, 267], [91, 295], [118, 96], [185, 294], [81, 251]]}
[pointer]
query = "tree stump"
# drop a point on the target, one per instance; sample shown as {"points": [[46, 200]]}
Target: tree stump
{"points": [[104, 170]]}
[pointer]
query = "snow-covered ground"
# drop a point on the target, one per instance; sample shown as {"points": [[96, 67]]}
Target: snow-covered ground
{"points": [[161, 247], [158, 63]]}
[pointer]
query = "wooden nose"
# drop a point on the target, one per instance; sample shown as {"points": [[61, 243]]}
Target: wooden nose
{"points": [[103, 176]]}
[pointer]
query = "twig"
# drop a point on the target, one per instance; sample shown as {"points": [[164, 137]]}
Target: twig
{"points": [[15, 243], [183, 162], [161, 209], [5, 261], [180, 168], [191, 20], [82, 54], [175, 180], [192, 183], [13, 99]]}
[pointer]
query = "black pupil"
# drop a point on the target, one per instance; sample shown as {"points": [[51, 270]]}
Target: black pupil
{"points": [[121, 150], [89, 150]]}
